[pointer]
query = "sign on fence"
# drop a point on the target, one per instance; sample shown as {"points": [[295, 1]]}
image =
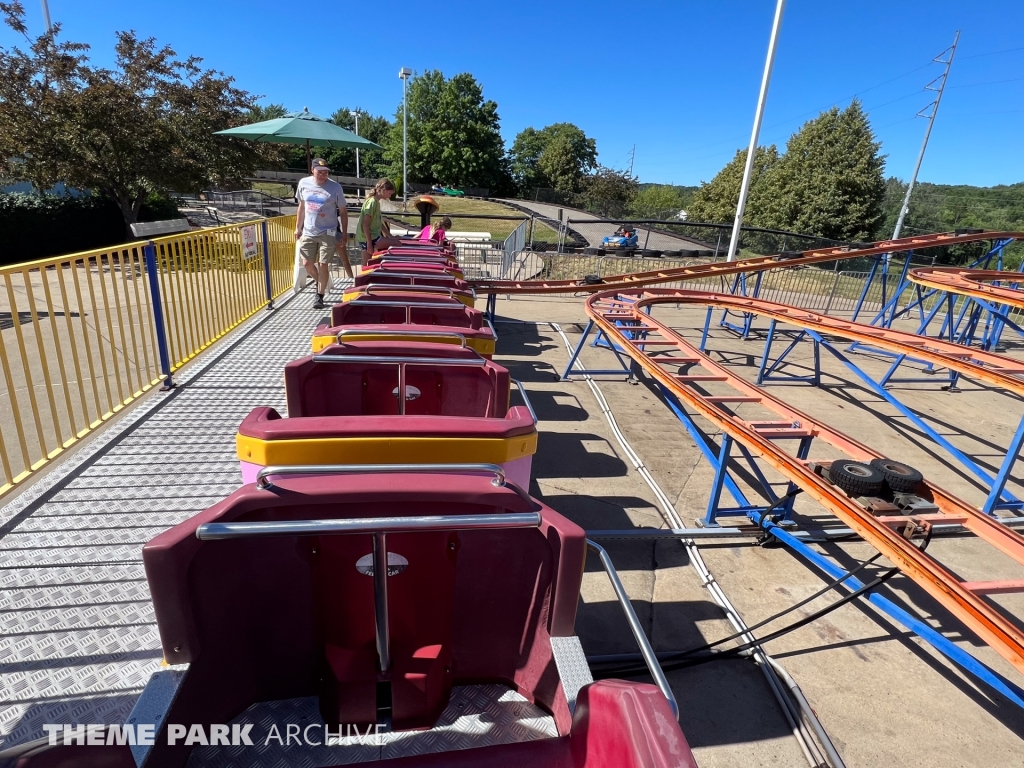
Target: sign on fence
{"points": [[249, 241]]}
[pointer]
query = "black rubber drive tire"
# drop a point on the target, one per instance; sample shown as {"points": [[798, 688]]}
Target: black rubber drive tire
{"points": [[855, 478], [900, 477], [600, 252], [670, 254]]}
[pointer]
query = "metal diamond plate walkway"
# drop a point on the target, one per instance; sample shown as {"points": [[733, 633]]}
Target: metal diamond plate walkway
{"points": [[78, 639]]}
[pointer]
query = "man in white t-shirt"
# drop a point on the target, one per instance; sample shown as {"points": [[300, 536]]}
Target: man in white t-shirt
{"points": [[321, 210]]}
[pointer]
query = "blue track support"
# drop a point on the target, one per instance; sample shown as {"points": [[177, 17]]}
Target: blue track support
{"points": [[864, 293], [1009, 501], [999, 484], [707, 327], [921, 628], [491, 306], [149, 253], [266, 266], [765, 371], [723, 480], [739, 286], [625, 368], [705, 447]]}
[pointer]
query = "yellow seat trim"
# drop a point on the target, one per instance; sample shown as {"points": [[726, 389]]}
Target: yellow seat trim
{"points": [[385, 450]]}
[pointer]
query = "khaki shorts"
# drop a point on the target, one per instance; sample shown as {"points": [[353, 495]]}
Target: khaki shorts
{"points": [[317, 248]]}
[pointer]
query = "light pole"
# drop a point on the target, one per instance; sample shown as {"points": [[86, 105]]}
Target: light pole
{"points": [[357, 148], [405, 73], [748, 169], [46, 15]]}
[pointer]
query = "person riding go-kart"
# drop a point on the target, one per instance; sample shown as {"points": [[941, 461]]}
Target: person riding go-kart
{"points": [[624, 237]]}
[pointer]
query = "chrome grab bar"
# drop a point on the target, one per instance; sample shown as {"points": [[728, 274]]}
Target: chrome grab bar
{"points": [[634, 624], [426, 259], [411, 275], [526, 400], [454, 304], [379, 527], [376, 525], [376, 469], [420, 334], [324, 357], [383, 287]]}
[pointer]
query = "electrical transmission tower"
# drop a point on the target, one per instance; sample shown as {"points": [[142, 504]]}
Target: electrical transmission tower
{"points": [[938, 85]]}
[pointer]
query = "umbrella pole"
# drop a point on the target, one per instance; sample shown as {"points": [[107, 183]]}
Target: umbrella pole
{"points": [[309, 160]]}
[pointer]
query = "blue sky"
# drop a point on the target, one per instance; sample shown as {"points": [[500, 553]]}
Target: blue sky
{"points": [[677, 79]]}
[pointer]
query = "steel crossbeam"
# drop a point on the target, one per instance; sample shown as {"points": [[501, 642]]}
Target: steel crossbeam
{"points": [[995, 628]]}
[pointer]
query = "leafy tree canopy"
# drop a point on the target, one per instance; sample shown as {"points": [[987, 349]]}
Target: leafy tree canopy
{"points": [[453, 135], [716, 200], [144, 126], [656, 200], [607, 191], [557, 157], [828, 183]]}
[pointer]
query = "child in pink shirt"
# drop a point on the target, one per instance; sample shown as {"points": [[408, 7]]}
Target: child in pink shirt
{"points": [[435, 233]]}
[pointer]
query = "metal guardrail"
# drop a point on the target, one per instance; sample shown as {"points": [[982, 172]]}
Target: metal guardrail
{"points": [[83, 335]]}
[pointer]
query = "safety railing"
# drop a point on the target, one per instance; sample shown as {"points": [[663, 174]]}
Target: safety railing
{"points": [[82, 336]]}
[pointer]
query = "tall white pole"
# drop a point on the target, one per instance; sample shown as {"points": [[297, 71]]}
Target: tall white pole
{"points": [[46, 15], [357, 148], [928, 131], [405, 146], [752, 149]]}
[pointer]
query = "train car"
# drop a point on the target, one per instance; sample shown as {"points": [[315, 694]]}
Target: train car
{"points": [[391, 402]]}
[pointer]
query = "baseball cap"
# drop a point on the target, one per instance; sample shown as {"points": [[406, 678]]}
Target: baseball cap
{"points": [[319, 163]]}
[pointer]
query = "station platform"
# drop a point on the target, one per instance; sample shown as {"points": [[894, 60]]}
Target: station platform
{"points": [[79, 637]]}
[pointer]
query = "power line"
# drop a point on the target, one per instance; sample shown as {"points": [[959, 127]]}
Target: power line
{"points": [[992, 53], [989, 82]]}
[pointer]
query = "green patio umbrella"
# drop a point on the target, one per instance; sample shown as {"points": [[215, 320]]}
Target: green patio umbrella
{"points": [[303, 128]]}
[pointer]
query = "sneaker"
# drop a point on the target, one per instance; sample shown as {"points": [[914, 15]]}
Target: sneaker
{"points": [[319, 303]]}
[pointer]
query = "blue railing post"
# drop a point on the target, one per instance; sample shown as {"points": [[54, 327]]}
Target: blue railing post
{"points": [[266, 267], [149, 252]]}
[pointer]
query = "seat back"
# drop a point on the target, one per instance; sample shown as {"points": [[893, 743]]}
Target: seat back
{"points": [[273, 618], [452, 314], [370, 388]]}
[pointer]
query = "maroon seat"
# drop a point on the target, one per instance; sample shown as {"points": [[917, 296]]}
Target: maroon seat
{"points": [[430, 278], [461, 384], [423, 310], [264, 619]]}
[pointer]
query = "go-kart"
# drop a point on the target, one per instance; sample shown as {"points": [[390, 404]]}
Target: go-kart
{"points": [[624, 237]]}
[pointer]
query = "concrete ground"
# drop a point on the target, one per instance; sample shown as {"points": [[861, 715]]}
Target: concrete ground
{"points": [[884, 696]]}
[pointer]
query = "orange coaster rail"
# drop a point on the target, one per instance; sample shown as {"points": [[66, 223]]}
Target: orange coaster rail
{"points": [[658, 349], [972, 282], [756, 264]]}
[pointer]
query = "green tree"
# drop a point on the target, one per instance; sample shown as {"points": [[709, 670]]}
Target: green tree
{"points": [[453, 135], [144, 126], [656, 200], [523, 158], [715, 201], [558, 157], [607, 192], [830, 181]]}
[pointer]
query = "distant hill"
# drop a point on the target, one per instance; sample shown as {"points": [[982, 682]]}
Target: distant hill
{"points": [[685, 192], [942, 207]]}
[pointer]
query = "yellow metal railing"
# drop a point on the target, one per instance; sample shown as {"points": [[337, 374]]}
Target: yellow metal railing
{"points": [[78, 338]]}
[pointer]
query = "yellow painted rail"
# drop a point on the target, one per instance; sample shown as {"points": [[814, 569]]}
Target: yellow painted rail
{"points": [[78, 339]]}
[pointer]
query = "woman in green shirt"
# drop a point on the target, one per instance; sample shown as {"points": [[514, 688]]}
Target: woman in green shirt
{"points": [[369, 228]]}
